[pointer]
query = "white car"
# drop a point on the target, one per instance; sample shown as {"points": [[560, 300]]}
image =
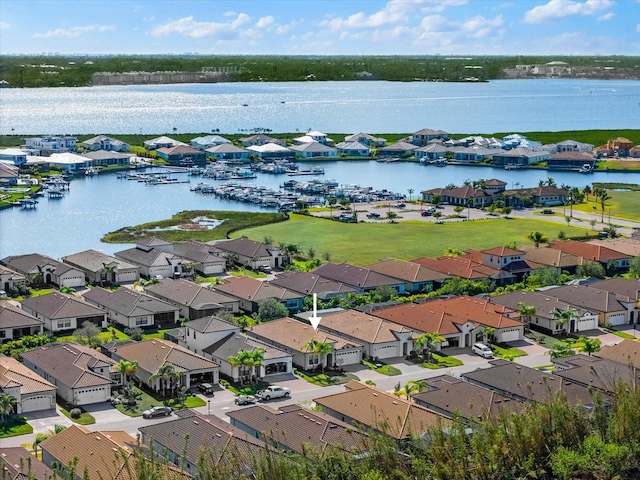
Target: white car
{"points": [[482, 350]]}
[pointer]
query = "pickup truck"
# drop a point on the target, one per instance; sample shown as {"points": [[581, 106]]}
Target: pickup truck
{"points": [[273, 391]]}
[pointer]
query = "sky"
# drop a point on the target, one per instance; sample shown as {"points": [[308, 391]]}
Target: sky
{"points": [[321, 27]]}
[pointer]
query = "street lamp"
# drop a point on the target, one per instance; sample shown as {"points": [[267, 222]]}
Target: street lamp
{"points": [[208, 407]]}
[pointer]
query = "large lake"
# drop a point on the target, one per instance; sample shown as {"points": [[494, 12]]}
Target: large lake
{"points": [[347, 107]]}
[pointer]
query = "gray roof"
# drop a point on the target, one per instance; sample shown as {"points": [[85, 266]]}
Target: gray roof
{"points": [[101, 138], [309, 283], [14, 317], [226, 148], [197, 252], [94, 261], [128, 302], [145, 258], [244, 246], [211, 324], [594, 372], [58, 305], [189, 294], [106, 155], [312, 147], [358, 277], [589, 298], [235, 342], [543, 303], [30, 263], [352, 146]]}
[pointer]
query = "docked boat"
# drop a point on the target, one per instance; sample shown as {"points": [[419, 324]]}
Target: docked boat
{"points": [[440, 162], [586, 168]]}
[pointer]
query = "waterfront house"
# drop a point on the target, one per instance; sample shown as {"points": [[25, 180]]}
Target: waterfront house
{"points": [[183, 156], [596, 253], [416, 277], [571, 160], [103, 142], [225, 445], [272, 151], [9, 174], [99, 267], [459, 196], [250, 292], [45, 146], [61, 312], [193, 300], [94, 454], [526, 384], [69, 162], [546, 195], [574, 146], [227, 151], [313, 136], [31, 392], [433, 151], [398, 149], [251, 254], [634, 152], [455, 398], [16, 323], [353, 149], [45, 270], [256, 140], [161, 142], [597, 373], [154, 354], [12, 461], [361, 278], [133, 309], [366, 139], [520, 157], [10, 279], [197, 257], [14, 156], [292, 337], [615, 147], [307, 283], [82, 375], [422, 137], [380, 411], [294, 428], [547, 308], [208, 141], [104, 158], [474, 154], [314, 150]]}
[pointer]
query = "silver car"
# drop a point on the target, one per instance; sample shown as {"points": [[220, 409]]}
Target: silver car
{"points": [[159, 411]]}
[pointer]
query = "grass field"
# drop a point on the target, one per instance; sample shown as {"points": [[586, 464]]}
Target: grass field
{"points": [[623, 204], [364, 243]]}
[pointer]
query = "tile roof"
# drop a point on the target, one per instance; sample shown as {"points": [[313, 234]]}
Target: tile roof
{"points": [[17, 463], [543, 303], [590, 251], [189, 294], [596, 372], [589, 298], [503, 251], [146, 258], [211, 324], [630, 246], [58, 305], [254, 290], [626, 352], [421, 318], [620, 286], [358, 277], [453, 396], [407, 271], [225, 148], [70, 364], [553, 257], [128, 302], [476, 310], [294, 427], [294, 334], [14, 373], [362, 326], [245, 247], [14, 317], [381, 411], [234, 342], [94, 261], [153, 354], [198, 252], [457, 267], [30, 263], [309, 283], [179, 150]]}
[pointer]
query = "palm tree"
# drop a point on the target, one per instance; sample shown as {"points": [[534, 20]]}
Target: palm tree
{"points": [[589, 345], [561, 349], [324, 348], [254, 361], [331, 201], [127, 368], [108, 271], [487, 333], [587, 191], [311, 347], [526, 310], [167, 374], [537, 238], [410, 192], [563, 317], [236, 361], [411, 388], [604, 196], [426, 341], [453, 252], [436, 200], [7, 406], [469, 205]]}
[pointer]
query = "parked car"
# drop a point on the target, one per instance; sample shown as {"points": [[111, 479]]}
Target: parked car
{"points": [[245, 400], [426, 213], [401, 205], [205, 388], [273, 391], [346, 218], [482, 350], [158, 411], [373, 215]]}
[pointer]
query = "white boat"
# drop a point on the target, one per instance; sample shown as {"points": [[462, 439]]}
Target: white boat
{"points": [[586, 168], [440, 162], [91, 171]]}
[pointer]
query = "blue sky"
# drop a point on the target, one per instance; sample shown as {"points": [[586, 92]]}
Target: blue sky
{"points": [[322, 27]]}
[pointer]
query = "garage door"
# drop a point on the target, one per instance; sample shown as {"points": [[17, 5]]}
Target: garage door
{"points": [[34, 404], [348, 358], [616, 319], [511, 336]]}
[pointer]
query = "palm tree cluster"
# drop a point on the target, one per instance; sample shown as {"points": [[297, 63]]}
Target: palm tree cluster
{"points": [[168, 376], [426, 342], [319, 350], [250, 361]]}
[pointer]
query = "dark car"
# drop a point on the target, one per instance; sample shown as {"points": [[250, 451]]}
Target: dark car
{"points": [[426, 213], [373, 215], [205, 388], [158, 411]]}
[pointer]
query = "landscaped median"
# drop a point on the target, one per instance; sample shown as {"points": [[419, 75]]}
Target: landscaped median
{"points": [[14, 425], [382, 368], [144, 401], [326, 379], [83, 418], [440, 360]]}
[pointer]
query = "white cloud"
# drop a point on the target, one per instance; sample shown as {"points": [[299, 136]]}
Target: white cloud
{"points": [[606, 16], [4, 25], [480, 27], [638, 28], [189, 27], [562, 8], [476, 27], [73, 32]]}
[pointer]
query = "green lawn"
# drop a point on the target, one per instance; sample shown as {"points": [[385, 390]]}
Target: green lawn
{"points": [[110, 335], [384, 369], [245, 272], [85, 418], [155, 334], [15, 426], [441, 361], [502, 352], [623, 204], [364, 243], [145, 402], [327, 379], [190, 402]]}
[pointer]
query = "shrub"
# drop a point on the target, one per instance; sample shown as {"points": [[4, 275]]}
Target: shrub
{"points": [[75, 413]]}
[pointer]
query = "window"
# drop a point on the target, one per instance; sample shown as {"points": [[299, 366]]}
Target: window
{"points": [[141, 321]]}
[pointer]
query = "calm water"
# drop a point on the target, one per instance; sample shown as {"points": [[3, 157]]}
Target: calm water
{"points": [[101, 204], [348, 107]]}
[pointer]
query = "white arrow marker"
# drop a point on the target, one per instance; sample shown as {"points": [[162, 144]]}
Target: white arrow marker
{"points": [[315, 319]]}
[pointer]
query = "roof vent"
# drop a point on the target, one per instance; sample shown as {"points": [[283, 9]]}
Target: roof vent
{"points": [[195, 422]]}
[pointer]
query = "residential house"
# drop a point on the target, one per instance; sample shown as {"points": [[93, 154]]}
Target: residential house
{"points": [[612, 309], [83, 375], [526, 384], [424, 136], [502, 319], [505, 259], [307, 283], [553, 258], [274, 360], [153, 262], [620, 286], [226, 445], [360, 278], [8, 175], [154, 354], [459, 196], [196, 335], [615, 147], [45, 146], [198, 257], [10, 279], [546, 195], [45, 270], [597, 373], [379, 338], [416, 277], [377, 410], [183, 156], [366, 139], [455, 398], [629, 245], [294, 428], [398, 149], [624, 352], [353, 149], [31, 392], [250, 292], [293, 336], [520, 156], [193, 300], [252, 254], [464, 268], [13, 156], [17, 463], [69, 162], [96, 454], [15, 323], [103, 142], [61, 312], [314, 136], [104, 158], [546, 312], [133, 309], [209, 141], [596, 253], [272, 151], [573, 146], [433, 151], [314, 150], [161, 142], [571, 160], [227, 151], [474, 154], [257, 140], [100, 268]]}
